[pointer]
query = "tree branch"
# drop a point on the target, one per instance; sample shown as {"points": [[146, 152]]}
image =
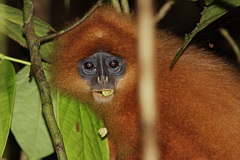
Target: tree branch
{"points": [[98, 4], [44, 88], [146, 86]]}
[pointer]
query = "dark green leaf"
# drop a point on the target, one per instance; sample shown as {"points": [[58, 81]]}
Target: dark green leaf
{"points": [[11, 22], [209, 15], [208, 2]]}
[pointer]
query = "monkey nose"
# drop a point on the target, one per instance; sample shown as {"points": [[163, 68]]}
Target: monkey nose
{"points": [[102, 79]]}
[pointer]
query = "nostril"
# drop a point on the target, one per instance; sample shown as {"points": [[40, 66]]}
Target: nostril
{"points": [[102, 79], [106, 79]]}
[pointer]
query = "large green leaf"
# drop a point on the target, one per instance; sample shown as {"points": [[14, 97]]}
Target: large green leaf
{"points": [[11, 22], [7, 91], [209, 15], [28, 125], [79, 127]]}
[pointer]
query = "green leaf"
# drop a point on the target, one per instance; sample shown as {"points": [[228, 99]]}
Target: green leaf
{"points": [[79, 127], [11, 22], [28, 125], [208, 2], [209, 15], [7, 91]]}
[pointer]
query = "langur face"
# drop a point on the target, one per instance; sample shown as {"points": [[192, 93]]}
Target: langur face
{"points": [[102, 72]]}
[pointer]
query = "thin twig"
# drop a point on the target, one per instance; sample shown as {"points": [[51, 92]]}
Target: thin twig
{"points": [[231, 41], [163, 11], [44, 88], [45, 38]]}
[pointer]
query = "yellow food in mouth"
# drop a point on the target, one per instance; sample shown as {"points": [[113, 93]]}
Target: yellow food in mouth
{"points": [[104, 95], [107, 93], [104, 92]]}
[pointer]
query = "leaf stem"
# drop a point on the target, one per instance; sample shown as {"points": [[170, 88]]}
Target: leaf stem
{"points": [[2, 56]]}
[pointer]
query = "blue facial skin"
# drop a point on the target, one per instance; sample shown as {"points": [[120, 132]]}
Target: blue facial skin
{"points": [[102, 70]]}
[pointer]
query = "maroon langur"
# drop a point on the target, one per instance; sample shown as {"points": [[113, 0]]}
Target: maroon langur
{"points": [[198, 100]]}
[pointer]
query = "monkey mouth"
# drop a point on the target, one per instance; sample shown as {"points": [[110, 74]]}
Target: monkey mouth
{"points": [[103, 95]]}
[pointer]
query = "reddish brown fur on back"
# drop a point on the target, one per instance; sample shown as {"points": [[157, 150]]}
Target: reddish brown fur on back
{"points": [[203, 112], [199, 100]]}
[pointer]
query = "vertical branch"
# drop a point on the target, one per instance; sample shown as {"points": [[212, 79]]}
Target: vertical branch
{"points": [[125, 6], [116, 5], [38, 73], [146, 51]]}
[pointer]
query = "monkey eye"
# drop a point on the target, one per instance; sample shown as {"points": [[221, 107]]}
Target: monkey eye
{"points": [[113, 64], [89, 65]]}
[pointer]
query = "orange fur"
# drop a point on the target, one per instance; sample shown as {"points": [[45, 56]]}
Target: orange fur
{"points": [[199, 100]]}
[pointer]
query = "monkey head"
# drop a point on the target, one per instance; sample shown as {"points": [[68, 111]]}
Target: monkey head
{"points": [[96, 61]]}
